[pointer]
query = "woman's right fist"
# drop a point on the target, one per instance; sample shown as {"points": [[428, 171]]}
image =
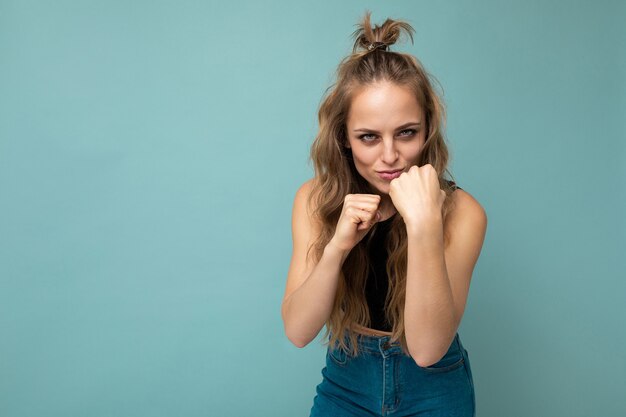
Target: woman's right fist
{"points": [[358, 214]]}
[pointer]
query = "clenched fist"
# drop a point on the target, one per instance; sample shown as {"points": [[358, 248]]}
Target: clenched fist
{"points": [[358, 215], [417, 196]]}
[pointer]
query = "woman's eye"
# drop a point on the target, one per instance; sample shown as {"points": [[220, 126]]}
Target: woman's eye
{"points": [[370, 137], [367, 137], [408, 132]]}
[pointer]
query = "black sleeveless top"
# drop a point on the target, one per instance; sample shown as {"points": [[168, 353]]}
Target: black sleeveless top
{"points": [[377, 282]]}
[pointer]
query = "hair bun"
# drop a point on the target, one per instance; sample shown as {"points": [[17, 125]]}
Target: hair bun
{"points": [[379, 37], [375, 45]]}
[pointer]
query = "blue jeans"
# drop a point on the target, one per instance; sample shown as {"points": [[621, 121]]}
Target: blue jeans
{"points": [[383, 381]]}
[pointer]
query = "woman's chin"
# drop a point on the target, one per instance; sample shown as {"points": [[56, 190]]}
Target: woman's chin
{"points": [[378, 186], [380, 189]]}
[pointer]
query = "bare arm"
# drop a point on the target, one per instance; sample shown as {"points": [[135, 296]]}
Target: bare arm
{"points": [[438, 279], [308, 307], [311, 288]]}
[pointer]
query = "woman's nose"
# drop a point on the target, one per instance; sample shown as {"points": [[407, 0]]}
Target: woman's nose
{"points": [[390, 153]]}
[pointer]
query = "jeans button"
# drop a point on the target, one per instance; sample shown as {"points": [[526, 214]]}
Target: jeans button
{"points": [[386, 345]]}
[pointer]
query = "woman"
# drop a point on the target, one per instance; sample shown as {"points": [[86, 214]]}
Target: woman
{"points": [[383, 246]]}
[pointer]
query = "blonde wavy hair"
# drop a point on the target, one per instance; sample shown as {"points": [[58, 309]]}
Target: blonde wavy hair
{"points": [[336, 175]]}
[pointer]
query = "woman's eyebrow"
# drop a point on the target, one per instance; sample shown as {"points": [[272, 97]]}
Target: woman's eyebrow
{"points": [[404, 126]]}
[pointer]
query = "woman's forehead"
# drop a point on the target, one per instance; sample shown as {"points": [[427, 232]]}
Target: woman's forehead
{"points": [[384, 104]]}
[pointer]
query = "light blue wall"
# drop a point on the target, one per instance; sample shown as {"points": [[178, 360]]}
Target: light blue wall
{"points": [[150, 151]]}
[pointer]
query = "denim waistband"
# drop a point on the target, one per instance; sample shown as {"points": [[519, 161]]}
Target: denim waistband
{"points": [[383, 344]]}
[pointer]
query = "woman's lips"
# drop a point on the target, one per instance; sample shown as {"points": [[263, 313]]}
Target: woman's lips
{"points": [[388, 176]]}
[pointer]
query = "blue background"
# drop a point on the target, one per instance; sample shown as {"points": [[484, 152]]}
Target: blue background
{"points": [[150, 152]]}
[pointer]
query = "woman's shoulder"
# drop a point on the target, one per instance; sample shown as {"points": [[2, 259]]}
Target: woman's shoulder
{"points": [[304, 205], [307, 185], [466, 206], [304, 191]]}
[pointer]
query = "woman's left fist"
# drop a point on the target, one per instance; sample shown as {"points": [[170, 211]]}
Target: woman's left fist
{"points": [[417, 196]]}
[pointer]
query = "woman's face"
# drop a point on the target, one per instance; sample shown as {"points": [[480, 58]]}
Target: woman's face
{"points": [[386, 132]]}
